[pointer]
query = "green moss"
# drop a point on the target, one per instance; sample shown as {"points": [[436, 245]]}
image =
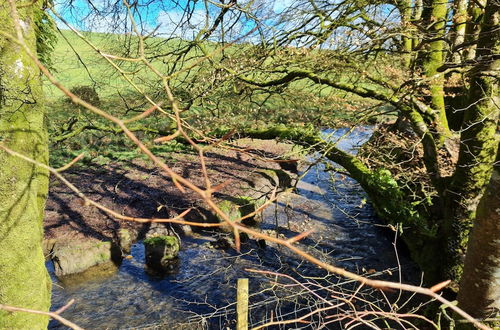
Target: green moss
{"points": [[161, 240], [161, 250], [433, 60], [246, 205], [46, 36], [232, 210], [239, 207], [24, 281]]}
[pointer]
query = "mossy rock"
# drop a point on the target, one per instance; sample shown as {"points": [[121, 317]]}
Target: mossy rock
{"points": [[71, 257], [86, 93], [239, 207], [125, 240], [278, 178], [160, 252]]}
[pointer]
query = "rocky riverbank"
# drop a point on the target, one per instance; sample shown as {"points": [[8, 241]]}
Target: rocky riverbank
{"points": [[78, 236]]}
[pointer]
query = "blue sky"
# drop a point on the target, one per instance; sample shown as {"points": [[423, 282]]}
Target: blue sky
{"points": [[166, 14]]}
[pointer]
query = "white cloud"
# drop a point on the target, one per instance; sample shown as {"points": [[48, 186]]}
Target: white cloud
{"points": [[177, 23]]}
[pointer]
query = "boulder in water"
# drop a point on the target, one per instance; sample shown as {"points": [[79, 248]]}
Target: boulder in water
{"points": [[75, 256], [161, 252]]}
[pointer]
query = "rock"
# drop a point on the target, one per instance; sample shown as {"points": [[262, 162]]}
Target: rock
{"points": [[261, 243], [125, 239], [47, 246], [187, 230], [158, 229], [290, 166], [98, 272], [70, 257], [238, 208], [223, 243], [272, 178], [161, 252]]}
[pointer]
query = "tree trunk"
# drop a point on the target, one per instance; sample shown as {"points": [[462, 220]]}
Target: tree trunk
{"points": [[24, 281], [407, 42], [416, 17], [478, 143], [459, 27], [479, 293], [435, 21], [475, 12]]}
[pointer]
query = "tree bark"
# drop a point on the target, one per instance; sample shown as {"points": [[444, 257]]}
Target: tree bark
{"points": [[479, 293], [478, 143], [459, 27], [475, 12], [407, 42], [24, 281], [416, 17], [435, 21]]}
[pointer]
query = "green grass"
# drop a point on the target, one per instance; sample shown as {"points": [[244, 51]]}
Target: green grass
{"points": [[208, 96]]}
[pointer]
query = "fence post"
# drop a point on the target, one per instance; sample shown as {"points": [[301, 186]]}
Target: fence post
{"points": [[242, 304]]}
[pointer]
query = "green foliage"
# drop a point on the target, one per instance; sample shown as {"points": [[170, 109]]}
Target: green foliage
{"points": [[393, 206], [210, 99]]}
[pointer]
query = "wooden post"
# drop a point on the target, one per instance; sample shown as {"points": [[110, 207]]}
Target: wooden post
{"points": [[242, 304]]}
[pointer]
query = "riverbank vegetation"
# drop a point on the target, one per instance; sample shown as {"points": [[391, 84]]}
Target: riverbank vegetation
{"points": [[426, 71]]}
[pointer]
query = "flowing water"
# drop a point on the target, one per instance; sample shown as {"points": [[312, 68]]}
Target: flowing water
{"points": [[201, 291]]}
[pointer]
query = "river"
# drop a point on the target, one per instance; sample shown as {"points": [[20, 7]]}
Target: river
{"points": [[200, 293]]}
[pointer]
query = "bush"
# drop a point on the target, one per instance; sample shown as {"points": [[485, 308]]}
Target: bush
{"points": [[87, 93]]}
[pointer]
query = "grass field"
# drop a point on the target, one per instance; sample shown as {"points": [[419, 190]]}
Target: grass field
{"points": [[209, 97]]}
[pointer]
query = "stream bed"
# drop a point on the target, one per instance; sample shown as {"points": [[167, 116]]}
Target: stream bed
{"points": [[200, 293]]}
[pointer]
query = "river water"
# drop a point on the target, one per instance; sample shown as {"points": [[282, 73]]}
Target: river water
{"points": [[201, 292]]}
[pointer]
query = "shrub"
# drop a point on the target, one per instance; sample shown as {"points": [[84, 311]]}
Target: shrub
{"points": [[87, 93]]}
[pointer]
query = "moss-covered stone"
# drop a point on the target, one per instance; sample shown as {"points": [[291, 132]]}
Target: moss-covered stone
{"points": [[239, 207], [160, 252], [125, 239], [73, 257]]}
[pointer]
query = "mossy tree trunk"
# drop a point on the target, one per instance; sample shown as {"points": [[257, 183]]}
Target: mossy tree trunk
{"points": [[434, 17], [459, 27], [475, 12], [24, 281], [405, 11], [479, 142], [416, 17], [479, 293]]}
